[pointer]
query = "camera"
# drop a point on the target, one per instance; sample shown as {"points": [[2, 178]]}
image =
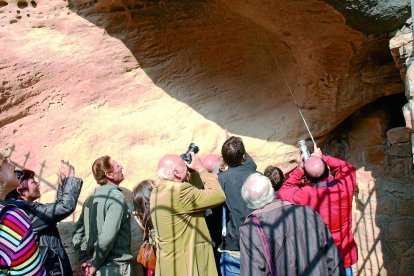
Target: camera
{"points": [[186, 156], [304, 149]]}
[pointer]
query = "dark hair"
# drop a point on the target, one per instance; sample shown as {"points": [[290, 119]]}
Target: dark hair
{"points": [[141, 200], [233, 151], [276, 176], [100, 167], [23, 176], [316, 179]]}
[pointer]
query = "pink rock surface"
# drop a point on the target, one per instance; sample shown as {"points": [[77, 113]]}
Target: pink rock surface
{"points": [[136, 80]]}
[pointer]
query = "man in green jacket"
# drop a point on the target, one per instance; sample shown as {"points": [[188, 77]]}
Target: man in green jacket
{"points": [[102, 236]]}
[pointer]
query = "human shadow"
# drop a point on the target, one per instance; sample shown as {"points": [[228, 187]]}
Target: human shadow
{"points": [[39, 172]]}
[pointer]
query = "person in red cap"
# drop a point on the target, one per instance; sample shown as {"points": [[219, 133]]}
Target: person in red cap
{"points": [[327, 185]]}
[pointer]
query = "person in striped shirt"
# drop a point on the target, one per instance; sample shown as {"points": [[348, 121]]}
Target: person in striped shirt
{"points": [[19, 252]]}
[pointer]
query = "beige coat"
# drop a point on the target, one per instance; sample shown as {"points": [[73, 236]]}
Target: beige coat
{"points": [[183, 241]]}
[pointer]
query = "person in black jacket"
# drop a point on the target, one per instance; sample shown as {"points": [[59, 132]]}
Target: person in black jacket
{"points": [[240, 166], [46, 216]]}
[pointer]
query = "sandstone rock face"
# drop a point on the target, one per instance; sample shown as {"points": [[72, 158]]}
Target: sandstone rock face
{"points": [[399, 135], [383, 203], [399, 153], [139, 79], [402, 52], [408, 111]]}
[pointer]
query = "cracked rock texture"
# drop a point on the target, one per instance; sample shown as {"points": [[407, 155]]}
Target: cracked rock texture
{"points": [[139, 79]]}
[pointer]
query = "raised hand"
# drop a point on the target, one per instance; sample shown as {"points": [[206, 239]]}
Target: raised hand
{"points": [[226, 132], [65, 170], [299, 160], [316, 151], [195, 164]]}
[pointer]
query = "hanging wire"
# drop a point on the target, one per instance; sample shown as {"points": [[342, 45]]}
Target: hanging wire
{"points": [[290, 90]]}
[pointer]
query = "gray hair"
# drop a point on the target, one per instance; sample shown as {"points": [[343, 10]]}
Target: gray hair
{"points": [[216, 167], [166, 172], [257, 191], [166, 167]]}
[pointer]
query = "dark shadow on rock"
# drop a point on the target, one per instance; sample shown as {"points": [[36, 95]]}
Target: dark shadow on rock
{"points": [[376, 17], [223, 64], [228, 82]]}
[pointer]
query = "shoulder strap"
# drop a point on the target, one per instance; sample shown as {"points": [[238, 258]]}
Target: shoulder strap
{"points": [[223, 221], [262, 237], [324, 184], [5, 209]]}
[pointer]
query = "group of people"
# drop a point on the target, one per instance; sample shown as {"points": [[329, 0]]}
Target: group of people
{"points": [[213, 216]]}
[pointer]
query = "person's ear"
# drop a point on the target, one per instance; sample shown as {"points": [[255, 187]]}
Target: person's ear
{"points": [[20, 191], [108, 175], [176, 174], [244, 158]]}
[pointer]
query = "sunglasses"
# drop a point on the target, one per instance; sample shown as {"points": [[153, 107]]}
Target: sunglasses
{"points": [[23, 174]]}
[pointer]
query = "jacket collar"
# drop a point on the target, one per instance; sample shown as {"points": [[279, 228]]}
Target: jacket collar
{"points": [[327, 182], [110, 186], [277, 203]]}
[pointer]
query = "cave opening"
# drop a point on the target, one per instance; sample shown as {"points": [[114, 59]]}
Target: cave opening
{"points": [[391, 106], [361, 136]]}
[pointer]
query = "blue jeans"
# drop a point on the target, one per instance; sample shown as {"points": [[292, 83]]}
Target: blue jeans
{"points": [[349, 271], [229, 265]]}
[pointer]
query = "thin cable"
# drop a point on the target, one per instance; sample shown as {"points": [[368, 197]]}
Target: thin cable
{"points": [[290, 90]]}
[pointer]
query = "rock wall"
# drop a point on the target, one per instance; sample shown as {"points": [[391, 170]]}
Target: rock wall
{"points": [[374, 16], [400, 152], [401, 45], [138, 79]]}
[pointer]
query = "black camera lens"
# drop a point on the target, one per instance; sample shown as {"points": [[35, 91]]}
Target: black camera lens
{"points": [[186, 156]]}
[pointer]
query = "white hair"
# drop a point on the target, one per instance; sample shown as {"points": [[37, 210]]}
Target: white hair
{"points": [[216, 167], [166, 169], [257, 191], [165, 173]]}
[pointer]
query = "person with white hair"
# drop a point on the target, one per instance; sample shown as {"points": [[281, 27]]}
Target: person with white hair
{"points": [[279, 238], [214, 163], [177, 213]]}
